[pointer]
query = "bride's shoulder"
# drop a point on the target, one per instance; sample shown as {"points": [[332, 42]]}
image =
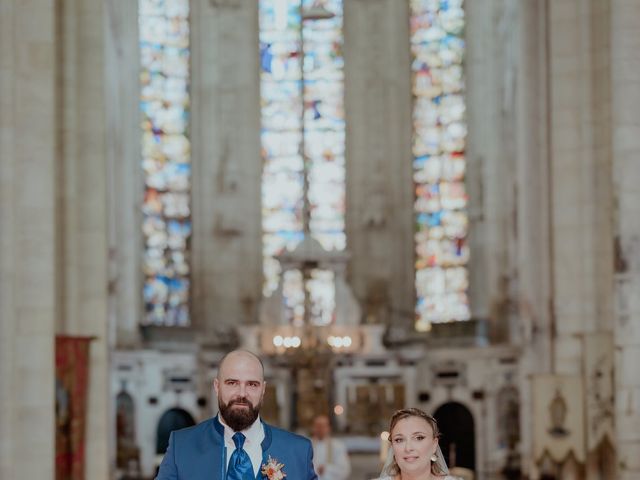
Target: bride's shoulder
{"points": [[445, 477]]}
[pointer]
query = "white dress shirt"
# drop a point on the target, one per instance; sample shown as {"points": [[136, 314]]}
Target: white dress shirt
{"points": [[332, 454], [252, 444]]}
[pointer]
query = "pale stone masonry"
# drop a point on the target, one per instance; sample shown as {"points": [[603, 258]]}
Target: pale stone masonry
{"points": [[379, 160], [625, 83], [533, 225], [580, 221], [227, 166], [54, 225], [27, 236], [81, 231], [123, 172]]}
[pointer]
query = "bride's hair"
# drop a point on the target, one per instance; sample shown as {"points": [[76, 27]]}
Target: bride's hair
{"points": [[436, 467]]}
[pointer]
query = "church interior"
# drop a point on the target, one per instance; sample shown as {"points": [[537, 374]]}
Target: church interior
{"points": [[394, 203]]}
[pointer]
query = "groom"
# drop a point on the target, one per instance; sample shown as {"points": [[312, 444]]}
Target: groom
{"points": [[237, 444]]}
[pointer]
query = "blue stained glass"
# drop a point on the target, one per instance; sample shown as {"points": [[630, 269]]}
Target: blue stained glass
{"points": [[164, 105], [288, 109], [439, 142]]}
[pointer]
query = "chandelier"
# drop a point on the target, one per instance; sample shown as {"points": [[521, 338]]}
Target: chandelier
{"points": [[329, 321]]}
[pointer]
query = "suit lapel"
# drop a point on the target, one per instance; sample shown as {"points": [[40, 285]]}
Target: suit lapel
{"points": [[219, 452], [266, 443]]}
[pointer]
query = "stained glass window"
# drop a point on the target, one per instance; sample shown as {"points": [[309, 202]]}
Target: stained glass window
{"points": [[166, 162], [439, 142], [302, 121]]}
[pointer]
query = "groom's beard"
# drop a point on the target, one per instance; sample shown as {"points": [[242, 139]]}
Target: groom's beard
{"points": [[239, 418]]}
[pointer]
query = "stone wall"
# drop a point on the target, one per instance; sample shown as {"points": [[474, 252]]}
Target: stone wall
{"points": [[226, 173], [54, 277], [28, 215], [565, 224], [227, 253], [379, 193], [625, 78], [123, 172], [533, 230], [81, 198], [580, 173]]}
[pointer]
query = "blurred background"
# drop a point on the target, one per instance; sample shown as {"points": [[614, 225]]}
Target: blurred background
{"points": [[395, 203]]}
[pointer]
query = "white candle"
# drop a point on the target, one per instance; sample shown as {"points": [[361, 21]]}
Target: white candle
{"points": [[384, 447]]}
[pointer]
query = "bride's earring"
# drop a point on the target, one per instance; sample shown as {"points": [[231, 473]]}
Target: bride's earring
{"points": [[434, 458]]}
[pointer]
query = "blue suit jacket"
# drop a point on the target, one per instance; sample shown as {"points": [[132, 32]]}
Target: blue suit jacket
{"points": [[199, 453]]}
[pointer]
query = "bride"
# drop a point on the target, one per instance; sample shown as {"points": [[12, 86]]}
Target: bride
{"points": [[414, 452]]}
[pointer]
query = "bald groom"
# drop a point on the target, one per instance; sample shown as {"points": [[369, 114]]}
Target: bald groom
{"points": [[236, 444]]}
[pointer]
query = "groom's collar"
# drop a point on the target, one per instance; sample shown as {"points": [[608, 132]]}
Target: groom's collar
{"points": [[266, 442]]}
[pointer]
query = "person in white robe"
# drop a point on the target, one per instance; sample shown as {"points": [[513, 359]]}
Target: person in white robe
{"points": [[330, 456]]}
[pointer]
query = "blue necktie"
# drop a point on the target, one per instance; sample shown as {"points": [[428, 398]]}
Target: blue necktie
{"points": [[240, 467]]}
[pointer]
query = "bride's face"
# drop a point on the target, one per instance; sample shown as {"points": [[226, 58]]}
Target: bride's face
{"points": [[413, 445]]}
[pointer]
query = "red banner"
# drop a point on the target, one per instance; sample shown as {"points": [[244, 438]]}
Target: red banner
{"points": [[72, 379]]}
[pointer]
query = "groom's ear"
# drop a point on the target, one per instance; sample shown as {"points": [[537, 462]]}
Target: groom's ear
{"points": [[216, 385]]}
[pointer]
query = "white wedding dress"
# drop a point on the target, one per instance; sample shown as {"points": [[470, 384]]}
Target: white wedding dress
{"points": [[447, 477]]}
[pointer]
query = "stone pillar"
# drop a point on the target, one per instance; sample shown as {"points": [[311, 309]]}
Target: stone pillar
{"points": [[224, 131], [581, 176], [227, 165], [27, 238], [379, 195], [533, 207], [124, 171], [490, 68], [81, 252], [564, 192], [625, 79]]}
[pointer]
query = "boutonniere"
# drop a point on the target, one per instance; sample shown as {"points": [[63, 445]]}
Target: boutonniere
{"points": [[273, 470]]}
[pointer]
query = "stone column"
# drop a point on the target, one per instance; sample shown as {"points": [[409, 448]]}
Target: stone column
{"points": [[379, 195], [27, 238], [124, 172], [533, 207], [625, 79], [81, 252], [225, 141], [227, 165], [564, 191], [581, 176], [566, 272], [490, 68]]}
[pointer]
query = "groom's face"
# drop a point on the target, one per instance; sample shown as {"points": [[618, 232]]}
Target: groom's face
{"points": [[240, 388]]}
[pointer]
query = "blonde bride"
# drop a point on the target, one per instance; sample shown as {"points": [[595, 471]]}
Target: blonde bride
{"points": [[414, 452]]}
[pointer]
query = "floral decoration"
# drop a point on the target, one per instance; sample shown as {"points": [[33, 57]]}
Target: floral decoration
{"points": [[272, 470]]}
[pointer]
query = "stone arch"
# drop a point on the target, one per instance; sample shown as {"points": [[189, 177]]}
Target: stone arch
{"points": [[458, 441], [127, 450], [172, 419]]}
